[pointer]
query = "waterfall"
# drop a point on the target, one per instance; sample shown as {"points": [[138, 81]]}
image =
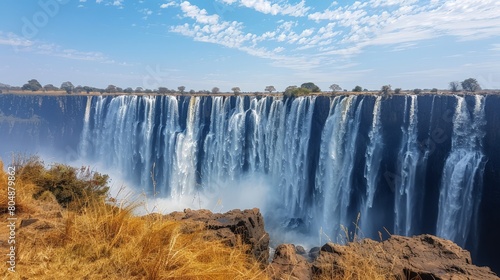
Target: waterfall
{"points": [[461, 189], [407, 192], [374, 153], [336, 163], [180, 147]]}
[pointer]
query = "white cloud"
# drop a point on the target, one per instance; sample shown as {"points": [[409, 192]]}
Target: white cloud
{"points": [[166, 5], [267, 7], [200, 15]]}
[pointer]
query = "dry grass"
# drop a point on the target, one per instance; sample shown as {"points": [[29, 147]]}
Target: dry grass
{"points": [[360, 260], [106, 242]]}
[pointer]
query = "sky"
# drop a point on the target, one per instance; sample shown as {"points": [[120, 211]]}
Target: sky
{"points": [[250, 43]]}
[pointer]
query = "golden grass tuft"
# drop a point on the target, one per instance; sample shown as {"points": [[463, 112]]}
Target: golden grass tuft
{"points": [[107, 242]]}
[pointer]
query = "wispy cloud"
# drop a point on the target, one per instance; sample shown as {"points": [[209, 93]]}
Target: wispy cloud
{"points": [[267, 7], [10, 39]]}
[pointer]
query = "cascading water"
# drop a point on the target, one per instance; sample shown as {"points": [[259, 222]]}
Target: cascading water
{"points": [[462, 174], [373, 156], [336, 162], [407, 192]]}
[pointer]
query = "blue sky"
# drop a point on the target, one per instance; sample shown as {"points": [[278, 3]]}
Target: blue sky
{"points": [[250, 43]]}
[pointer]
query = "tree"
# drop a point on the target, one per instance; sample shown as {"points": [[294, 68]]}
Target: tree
{"points": [[162, 90], [50, 87], [32, 85], [294, 91], [417, 91], [335, 88], [455, 86], [78, 89], [471, 85], [119, 89], [236, 90], [386, 89], [290, 89], [215, 90], [310, 86], [88, 89], [270, 89], [138, 90], [397, 90], [434, 90], [148, 91], [181, 89], [192, 91], [111, 89], [68, 87], [357, 89], [128, 90]]}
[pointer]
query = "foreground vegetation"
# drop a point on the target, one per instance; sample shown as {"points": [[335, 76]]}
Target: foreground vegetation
{"points": [[87, 238], [68, 227]]}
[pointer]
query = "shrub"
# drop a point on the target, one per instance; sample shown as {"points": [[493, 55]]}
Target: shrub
{"points": [[71, 186]]}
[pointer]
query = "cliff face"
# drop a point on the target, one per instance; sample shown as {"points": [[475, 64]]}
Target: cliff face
{"points": [[403, 162]]}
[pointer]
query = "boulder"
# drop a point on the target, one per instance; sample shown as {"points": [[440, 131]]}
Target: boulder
{"points": [[235, 226], [420, 257], [287, 264]]}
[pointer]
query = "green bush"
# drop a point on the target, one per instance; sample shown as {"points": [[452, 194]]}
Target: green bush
{"points": [[72, 187]]}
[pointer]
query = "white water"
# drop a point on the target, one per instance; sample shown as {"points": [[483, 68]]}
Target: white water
{"points": [[336, 163], [463, 170], [374, 153], [407, 190]]}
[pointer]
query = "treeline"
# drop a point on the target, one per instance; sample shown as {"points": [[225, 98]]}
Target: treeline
{"points": [[468, 85]]}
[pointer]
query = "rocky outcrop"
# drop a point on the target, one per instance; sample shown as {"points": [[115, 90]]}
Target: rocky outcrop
{"points": [[233, 227], [288, 262], [403, 258]]}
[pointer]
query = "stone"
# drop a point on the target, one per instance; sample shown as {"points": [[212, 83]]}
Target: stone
{"points": [[420, 257], [287, 264], [232, 227]]}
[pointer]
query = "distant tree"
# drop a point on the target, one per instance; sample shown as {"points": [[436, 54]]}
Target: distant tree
{"points": [[434, 90], [88, 89], [192, 91], [50, 87], [78, 89], [386, 90], [111, 89], [471, 85], [236, 90], [357, 89], [417, 91], [162, 90], [215, 90], [289, 90], [128, 90], [455, 86], [68, 87], [181, 89], [32, 85], [365, 89], [148, 91], [270, 89], [119, 89], [138, 90], [310, 86], [294, 91], [397, 90], [335, 88]]}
